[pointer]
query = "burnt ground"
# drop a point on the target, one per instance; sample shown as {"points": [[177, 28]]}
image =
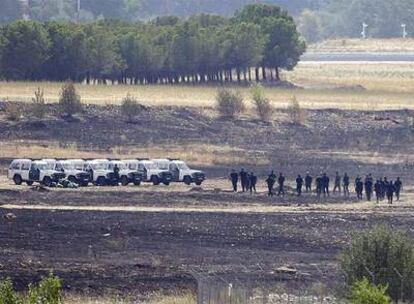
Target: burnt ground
{"points": [[140, 251]]}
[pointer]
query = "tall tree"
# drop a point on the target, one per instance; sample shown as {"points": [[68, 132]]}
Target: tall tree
{"points": [[25, 49]]}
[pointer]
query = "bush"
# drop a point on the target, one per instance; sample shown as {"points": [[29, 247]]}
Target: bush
{"points": [[295, 112], [365, 293], [69, 101], [39, 108], [130, 107], [13, 111], [385, 257], [230, 103], [263, 107], [48, 291], [7, 293]]}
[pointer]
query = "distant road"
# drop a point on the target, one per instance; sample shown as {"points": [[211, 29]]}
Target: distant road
{"points": [[362, 56]]}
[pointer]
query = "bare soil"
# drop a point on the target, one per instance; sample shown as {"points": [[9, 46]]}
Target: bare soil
{"points": [[192, 232]]}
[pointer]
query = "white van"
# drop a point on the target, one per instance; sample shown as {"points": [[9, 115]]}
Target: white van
{"points": [[30, 171], [180, 171]]}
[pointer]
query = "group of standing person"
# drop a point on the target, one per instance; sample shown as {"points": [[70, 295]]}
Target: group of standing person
{"points": [[381, 187]]}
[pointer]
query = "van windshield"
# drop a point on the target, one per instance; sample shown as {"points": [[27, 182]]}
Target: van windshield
{"points": [[73, 166], [42, 166], [163, 165], [121, 166], [182, 166], [100, 166], [150, 166]]}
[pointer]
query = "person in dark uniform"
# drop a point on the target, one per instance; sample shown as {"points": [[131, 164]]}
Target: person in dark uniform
{"points": [[337, 186], [281, 182], [299, 185], [385, 185], [116, 173], [319, 186], [244, 180], [390, 192], [345, 183], [377, 190], [368, 187], [308, 182], [382, 189], [398, 188], [252, 182], [325, 185], [359, 187], [270, 181], [234, 177]]}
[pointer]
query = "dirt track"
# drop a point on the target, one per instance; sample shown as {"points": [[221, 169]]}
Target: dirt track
{"points": [[138, 247], [148, 238]]}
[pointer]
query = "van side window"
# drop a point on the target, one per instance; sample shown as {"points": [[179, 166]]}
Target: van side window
{"points": [[25, 166], [173, 167], [15, 166]]}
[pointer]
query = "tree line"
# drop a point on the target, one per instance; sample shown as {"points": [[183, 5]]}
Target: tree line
{"points": [[252, 45]]}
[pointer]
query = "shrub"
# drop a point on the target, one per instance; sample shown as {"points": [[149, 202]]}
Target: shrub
{"points": [[39, 108], [230, 103], [384, 256], [69, 101], [48, 291], [130, 107], [365, 293], [7, 293], [295, 112], [263, 107], [13, 111]]}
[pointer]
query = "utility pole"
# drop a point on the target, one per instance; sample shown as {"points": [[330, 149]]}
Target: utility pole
{"points": [[404, 30], [364, 30]]}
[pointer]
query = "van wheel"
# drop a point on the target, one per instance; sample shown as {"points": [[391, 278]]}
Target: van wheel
{"points": [[17, 179], [29, 183], [166, 183], [100, 181], [47, 181], [136, 183], [198, 183], [187, 180], [84, 184], [155, 180], [124, 180]]}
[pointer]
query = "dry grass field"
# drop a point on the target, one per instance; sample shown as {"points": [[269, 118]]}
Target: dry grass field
{"points": [[326, 85], [363, 45], [155, 299]]}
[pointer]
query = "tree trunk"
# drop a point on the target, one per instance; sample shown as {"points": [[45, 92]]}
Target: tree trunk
{"points": [[277, 73], [256, 71], [264, 73]]}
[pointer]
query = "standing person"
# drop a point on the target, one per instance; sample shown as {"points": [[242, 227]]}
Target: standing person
{"points": [[377, 190], [308, 182], [252, 183], [382, 189], [337, 186], [368, 187], [244, 180], [398, 188], [390, 192], [281, 182], [234, 179], [270, 181], [299, 185], [325, 185], [116, 173], [319, 185], [345, 182], [359, 187]]}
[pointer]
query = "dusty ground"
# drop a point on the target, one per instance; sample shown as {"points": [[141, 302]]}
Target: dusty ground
{"points": [[137, 240]]}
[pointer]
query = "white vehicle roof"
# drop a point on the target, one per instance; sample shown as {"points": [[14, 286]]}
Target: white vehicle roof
{"points": [[69, 161], [40, 162], [99, 161], [49, 160], [21, 160]]}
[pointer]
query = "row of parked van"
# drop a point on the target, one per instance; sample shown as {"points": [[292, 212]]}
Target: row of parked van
{"points": [[102, 172]]}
